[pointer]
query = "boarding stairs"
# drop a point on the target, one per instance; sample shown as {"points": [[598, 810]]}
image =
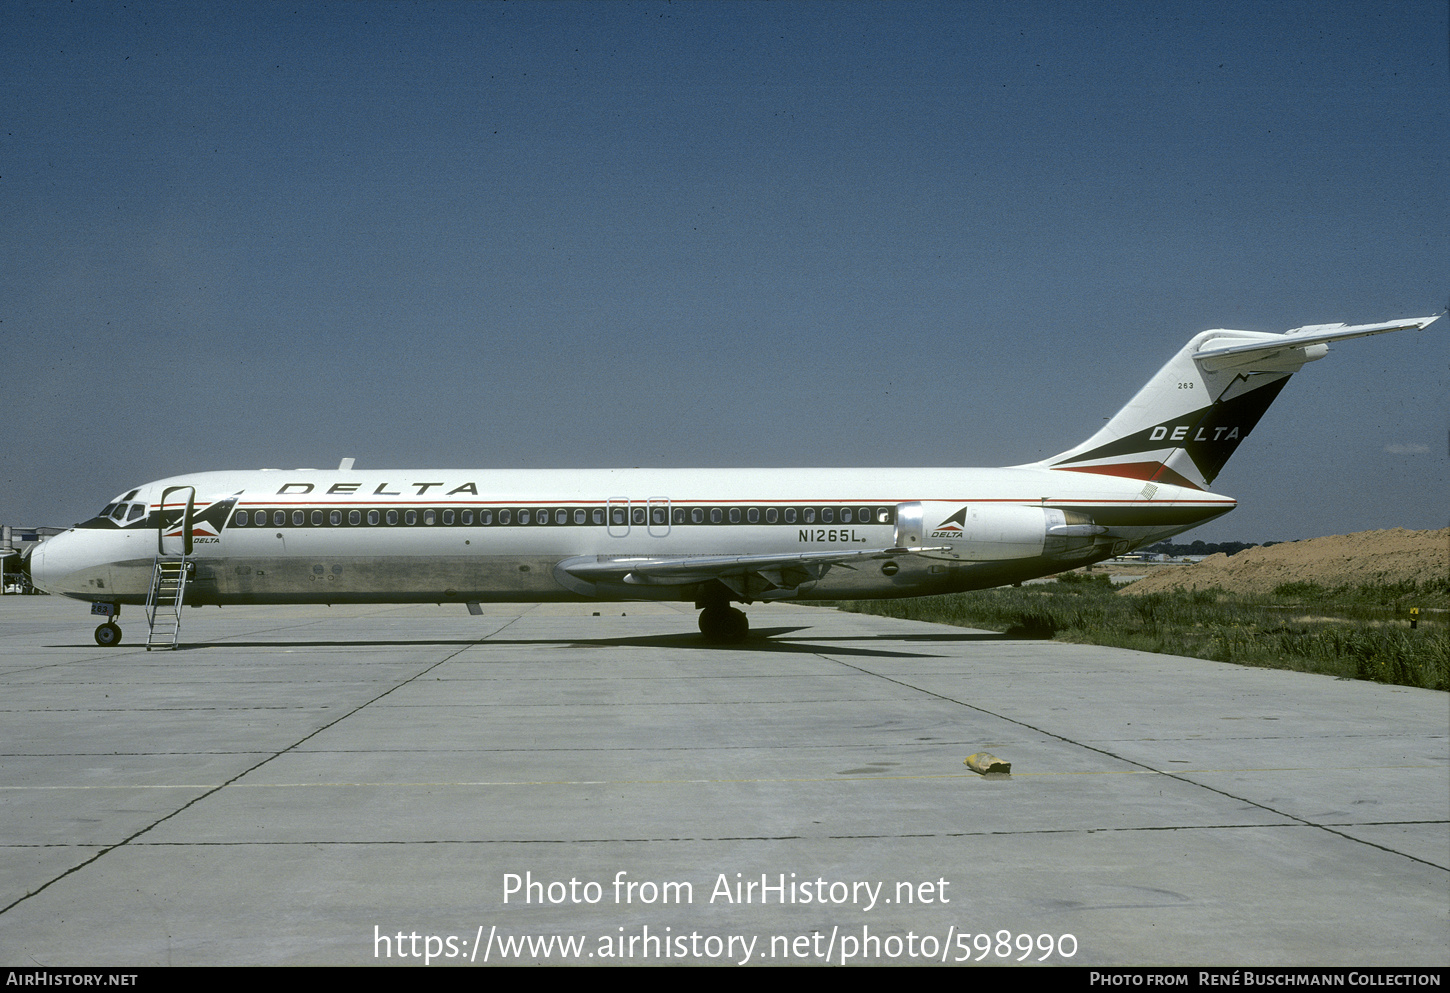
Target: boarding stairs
{"points": [[164, 602]]}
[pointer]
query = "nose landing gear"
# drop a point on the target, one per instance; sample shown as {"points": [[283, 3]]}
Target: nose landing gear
{"points": [[109, 633]]}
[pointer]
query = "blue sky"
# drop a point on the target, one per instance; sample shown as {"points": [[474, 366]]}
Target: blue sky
{"points": [[544, 235]]}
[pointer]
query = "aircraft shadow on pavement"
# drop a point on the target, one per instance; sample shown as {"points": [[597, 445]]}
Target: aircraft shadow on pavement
{"points": [[775, 640], [759, 640]]}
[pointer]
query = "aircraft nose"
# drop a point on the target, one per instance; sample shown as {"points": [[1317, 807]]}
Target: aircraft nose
{"points": [[40, 564], [30, 561], [76, 563]]}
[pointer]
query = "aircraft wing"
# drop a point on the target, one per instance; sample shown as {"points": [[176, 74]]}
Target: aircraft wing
{"points": [[1269, 347], [754, 576]]}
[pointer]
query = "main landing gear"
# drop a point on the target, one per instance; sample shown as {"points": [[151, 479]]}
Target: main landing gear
{"points": [[724, 624], [720, 622]]}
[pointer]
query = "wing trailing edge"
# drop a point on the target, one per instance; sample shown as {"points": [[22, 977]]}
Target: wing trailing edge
{"points": [[761, 577]]}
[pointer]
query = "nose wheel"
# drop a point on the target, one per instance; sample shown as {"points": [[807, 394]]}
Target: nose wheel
{"points": [[725, 625], [108, 634]]}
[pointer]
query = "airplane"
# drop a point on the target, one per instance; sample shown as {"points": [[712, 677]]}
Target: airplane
{"points": [[713, 537]]}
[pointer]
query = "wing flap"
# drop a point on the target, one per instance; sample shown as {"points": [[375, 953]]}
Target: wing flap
{"points": [[741, 572]]}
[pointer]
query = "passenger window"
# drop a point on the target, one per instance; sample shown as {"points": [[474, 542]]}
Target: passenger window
{"points": [[752, 515], [734, 515], [770, 515], [863, 514], [845, 515], [523, 517], [447, 517], [428, 517], [354, 517], [317, 518], [883, 516], [374, 516], [639, 515], [410, 517], [467, 517], [827, 515], [809, 515], [599, 517], [790, 515], [716, 515], [334, 518], [580, 517], [504, 516], [241, 520], [392, 517], [697, 516], [279, 517], [659, 515]]}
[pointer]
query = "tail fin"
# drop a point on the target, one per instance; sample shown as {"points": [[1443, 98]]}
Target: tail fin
{"points": [[1182, 427]]}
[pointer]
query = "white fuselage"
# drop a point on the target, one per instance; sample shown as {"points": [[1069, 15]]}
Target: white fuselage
{"points": [[343, 536], [712, 536]]}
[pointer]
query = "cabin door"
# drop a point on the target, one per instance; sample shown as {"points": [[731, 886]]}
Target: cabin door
{"points": [[174, 520]]}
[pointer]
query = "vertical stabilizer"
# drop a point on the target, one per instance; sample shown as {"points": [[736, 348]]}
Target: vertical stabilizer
{"points": [[1185, 423]]}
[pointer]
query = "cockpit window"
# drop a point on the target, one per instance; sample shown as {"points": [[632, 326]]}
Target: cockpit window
{"points": [[118, 509]]}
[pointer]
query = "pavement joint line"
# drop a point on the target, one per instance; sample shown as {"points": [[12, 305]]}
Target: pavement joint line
{"points": [[689, 839], [967, 777], [197, 799], [1171, 774]]}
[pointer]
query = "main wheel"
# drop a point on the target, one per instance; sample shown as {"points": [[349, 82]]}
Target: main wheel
{"points": [[724, 624], [108, 634]]}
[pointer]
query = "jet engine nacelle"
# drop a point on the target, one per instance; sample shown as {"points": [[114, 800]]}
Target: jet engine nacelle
{"points": [[994, 532]]}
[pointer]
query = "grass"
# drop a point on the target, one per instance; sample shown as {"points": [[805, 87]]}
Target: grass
{"points": [[1360, 632]]}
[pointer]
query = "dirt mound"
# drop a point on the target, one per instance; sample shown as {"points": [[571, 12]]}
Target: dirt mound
{"points": [[1390, 556]]}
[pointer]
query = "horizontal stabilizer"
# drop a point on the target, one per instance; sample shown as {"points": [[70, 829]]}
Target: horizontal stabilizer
{"points": [[1270, 348]]}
